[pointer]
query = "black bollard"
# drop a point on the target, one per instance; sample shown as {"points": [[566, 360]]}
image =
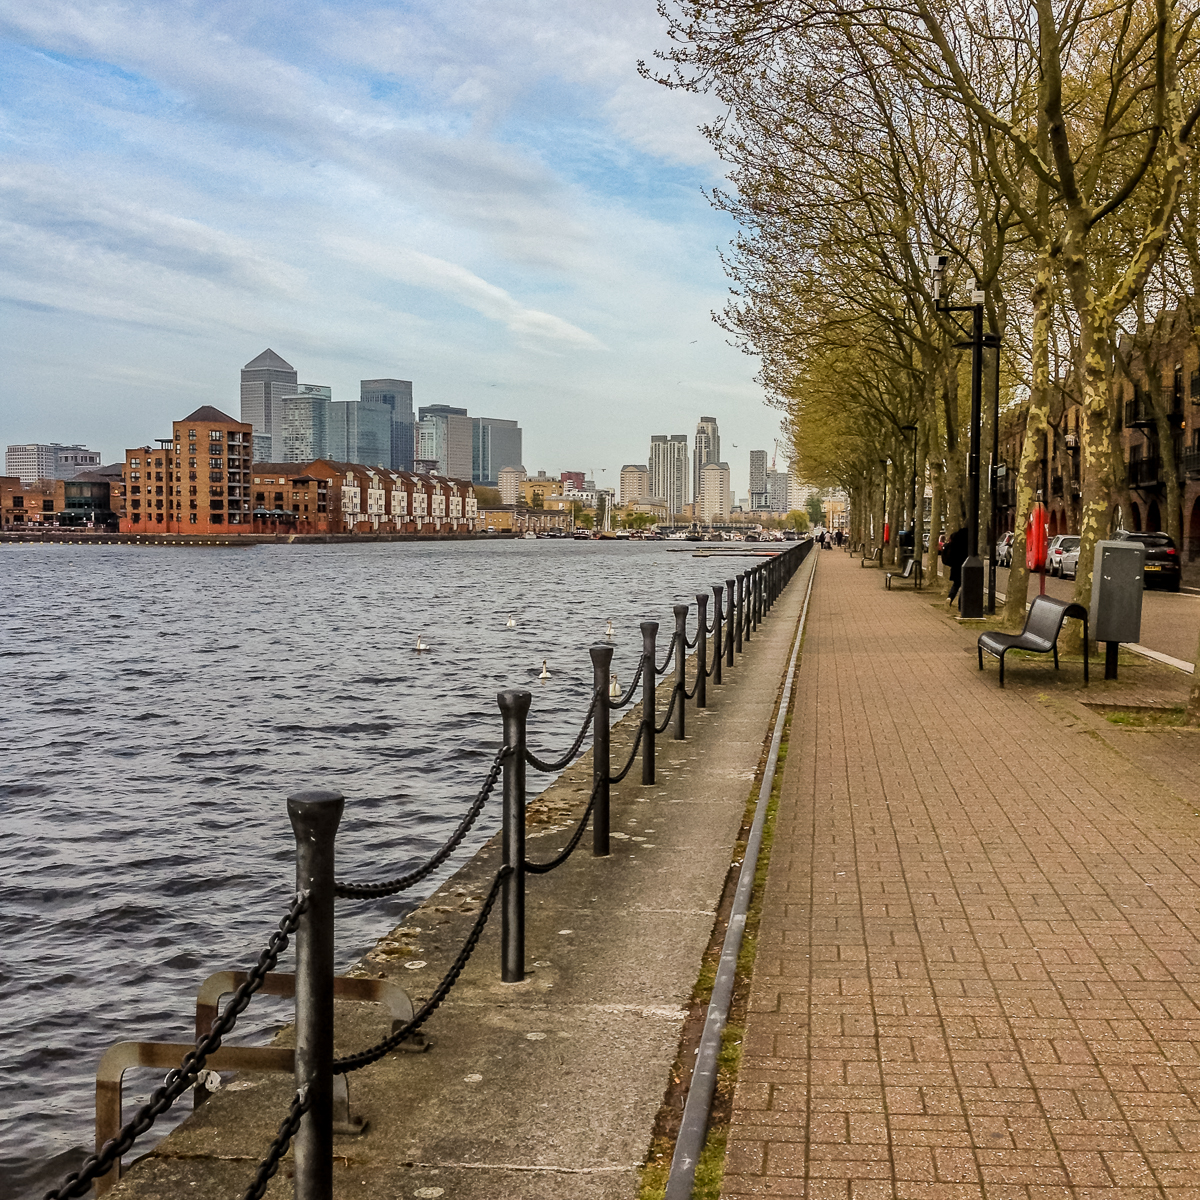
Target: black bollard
{"points": [[315, 816], [701, 649], [649, 679], [514, 708], [740, 605], [681, 614], [731, 614], [601, 765], [718, 628]]}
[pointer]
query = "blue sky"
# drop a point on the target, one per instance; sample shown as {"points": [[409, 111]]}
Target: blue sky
{"points": [[482, 198]]}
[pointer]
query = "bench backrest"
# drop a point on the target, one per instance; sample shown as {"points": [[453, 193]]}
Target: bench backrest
{"points": [[1045, 618]]}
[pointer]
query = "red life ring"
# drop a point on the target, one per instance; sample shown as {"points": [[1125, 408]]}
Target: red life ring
{"points": [[1036, 538]]}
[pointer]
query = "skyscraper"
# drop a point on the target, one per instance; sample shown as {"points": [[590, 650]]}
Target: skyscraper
{"points": [[302, 424], [360, 431], [36, 460], [397, 395], [444, 436], [714, 498], [265, 380], [635, 483], [707, 449], [758, 479], [495, 444], [669, 470]]}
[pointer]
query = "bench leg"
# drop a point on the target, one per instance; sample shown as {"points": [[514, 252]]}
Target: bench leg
{"points": [[1056, 655], [1002, 654]]}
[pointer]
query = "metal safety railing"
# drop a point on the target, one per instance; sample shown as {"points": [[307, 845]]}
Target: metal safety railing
{"points": [[320, 1105]]}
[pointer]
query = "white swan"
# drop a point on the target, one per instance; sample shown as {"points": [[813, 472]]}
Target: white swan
{"points": [[420, 644], [545, 674], [510, 624], [614, 688], [608, 632]]}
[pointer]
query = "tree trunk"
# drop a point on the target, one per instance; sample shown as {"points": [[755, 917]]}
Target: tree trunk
{"points": [[1029, 475]]}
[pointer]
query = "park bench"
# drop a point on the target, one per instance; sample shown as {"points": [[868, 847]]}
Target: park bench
{"points": [[875, 557], [912, 570], [1043, 624]]}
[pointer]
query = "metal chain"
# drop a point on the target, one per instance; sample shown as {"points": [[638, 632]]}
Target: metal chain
{"points": [[550, 768], [278, 1148], [389, 887], [632, 755], [625, 699], [183, 1076], [353, 1062], [670, 655], [670, 709], [569, 849]]}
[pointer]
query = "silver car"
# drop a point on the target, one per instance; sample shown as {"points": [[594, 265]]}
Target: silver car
{"points": [[1054, 552], [1068, 564]]}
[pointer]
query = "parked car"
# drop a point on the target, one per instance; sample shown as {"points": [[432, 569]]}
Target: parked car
{"points": [[1055, 542], [1057, 548], [1162, 568], [1004, 549], [1068, 565]]}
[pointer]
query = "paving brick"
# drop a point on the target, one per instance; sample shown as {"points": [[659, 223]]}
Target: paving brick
{"points": [[976, 975]]}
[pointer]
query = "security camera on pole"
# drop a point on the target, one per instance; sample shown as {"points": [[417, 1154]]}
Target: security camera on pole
{"points": [[971, 595]]}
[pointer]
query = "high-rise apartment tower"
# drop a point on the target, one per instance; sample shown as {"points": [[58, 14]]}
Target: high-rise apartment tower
{"points": [[669, 470], [707, 449], [265, 381]]}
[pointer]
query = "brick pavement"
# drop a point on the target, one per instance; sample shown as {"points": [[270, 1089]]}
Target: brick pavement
{"points": [[975, 977]]}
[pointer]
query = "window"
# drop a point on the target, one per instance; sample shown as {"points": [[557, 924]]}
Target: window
{"points": [[216, 504], [135, 489], [216, 491], [191, 435], [215, 477], [158, 490], [260, 496], [214, 435], [215, 463], [135, 504], [191, 504], [192, 447], [158, 463], [136, 517], [192, 518], [278, 495], [191, 491], [135, 462], [192, 461], [216, 519]]}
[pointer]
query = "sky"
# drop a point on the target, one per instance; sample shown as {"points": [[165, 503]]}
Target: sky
{"points": [[485, 199]]}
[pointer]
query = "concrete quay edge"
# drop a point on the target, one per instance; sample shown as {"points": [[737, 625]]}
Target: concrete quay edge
{"points": [[550, 1087]]}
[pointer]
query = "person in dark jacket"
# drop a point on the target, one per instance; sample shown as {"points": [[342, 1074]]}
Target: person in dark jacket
{"points": [[954, 554]]}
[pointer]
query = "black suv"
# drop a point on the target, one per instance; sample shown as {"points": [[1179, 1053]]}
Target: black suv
{"points": [[1162, 568]]}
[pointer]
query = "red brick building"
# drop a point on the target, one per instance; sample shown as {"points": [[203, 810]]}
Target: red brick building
{"points": [[198, 482]]}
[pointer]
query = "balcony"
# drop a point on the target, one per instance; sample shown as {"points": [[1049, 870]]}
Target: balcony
{"points": [[1190, 464], [1056, 485]]}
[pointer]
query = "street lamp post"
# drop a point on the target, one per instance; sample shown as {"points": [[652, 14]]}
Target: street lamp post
{"points": [[912, 495], [971, 594]]}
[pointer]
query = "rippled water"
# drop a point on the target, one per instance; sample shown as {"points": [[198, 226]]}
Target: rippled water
{"points": [[160, 703]]}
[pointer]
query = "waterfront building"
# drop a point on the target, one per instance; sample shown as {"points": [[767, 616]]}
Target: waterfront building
{"points": [[707, 449], [668, 469], [714, 501], [509, 482], [31, 461], [195, 482], [396, 395], [635, 483], [444, 436], [265, 381], [573, 479], [778, 491], [758, 479], [495, 444], [23, 504], [542, 487]]}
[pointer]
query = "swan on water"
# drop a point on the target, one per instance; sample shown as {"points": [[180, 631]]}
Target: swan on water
{"points": [[545, 674], [510, 624]]}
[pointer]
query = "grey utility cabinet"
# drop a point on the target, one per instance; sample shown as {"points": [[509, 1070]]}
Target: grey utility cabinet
{"points": [[1117, 582]]}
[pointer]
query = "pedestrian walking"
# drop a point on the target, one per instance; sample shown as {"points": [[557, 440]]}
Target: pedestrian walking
{"points": [[954, 554]]}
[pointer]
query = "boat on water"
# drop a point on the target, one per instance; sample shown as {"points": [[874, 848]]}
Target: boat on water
{"points": [[582, 535], [530, 536]]}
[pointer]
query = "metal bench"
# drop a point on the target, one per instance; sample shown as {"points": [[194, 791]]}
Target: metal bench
{"points": [[1043, 624], [875, 557], [912, 570]]}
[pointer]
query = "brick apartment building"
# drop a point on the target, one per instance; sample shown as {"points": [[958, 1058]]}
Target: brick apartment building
{"points": [[197, 482]]}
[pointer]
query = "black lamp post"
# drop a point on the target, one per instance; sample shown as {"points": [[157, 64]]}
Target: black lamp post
{"points": [[971, 594], [912, 491]]}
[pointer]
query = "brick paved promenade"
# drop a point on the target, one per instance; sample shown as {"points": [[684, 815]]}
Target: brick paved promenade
{"points": [[978, 970]]}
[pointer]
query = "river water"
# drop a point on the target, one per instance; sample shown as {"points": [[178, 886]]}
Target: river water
{"points": [[160, 703]]}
